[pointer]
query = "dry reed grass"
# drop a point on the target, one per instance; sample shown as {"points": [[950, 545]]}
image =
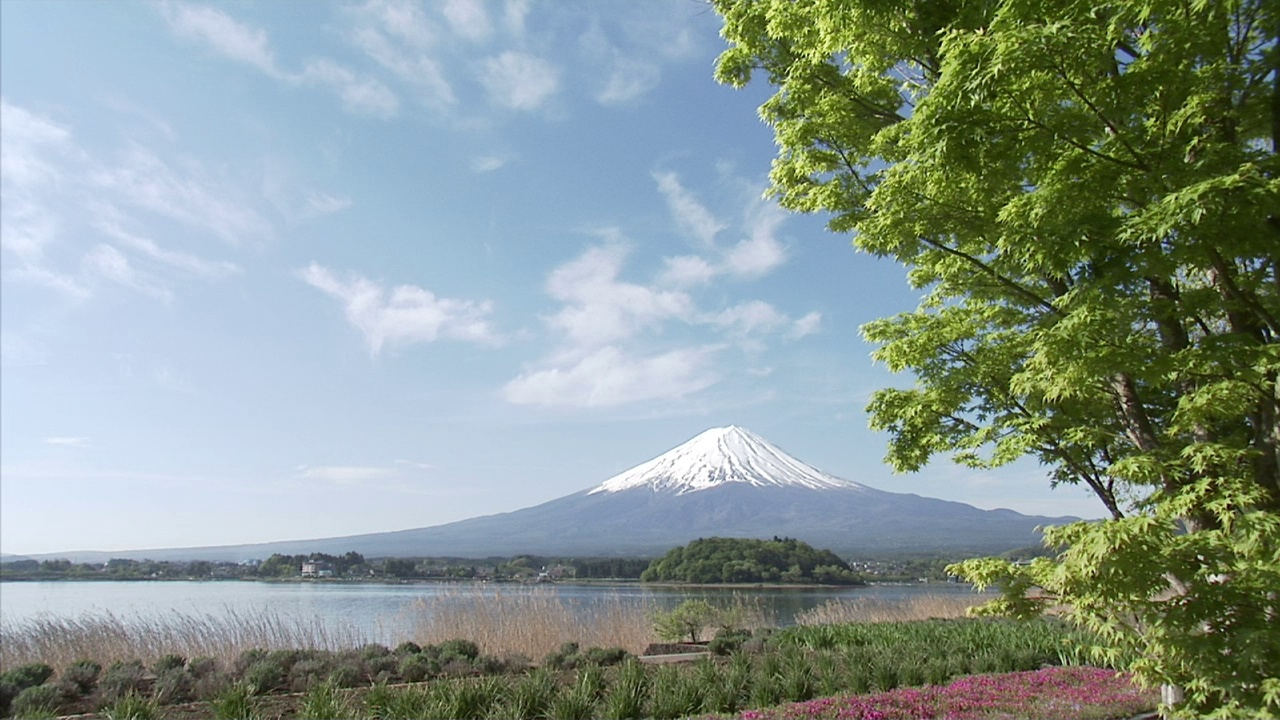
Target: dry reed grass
{"points": [[874, 610], [530, 623], [106, 637], [535, 622]]}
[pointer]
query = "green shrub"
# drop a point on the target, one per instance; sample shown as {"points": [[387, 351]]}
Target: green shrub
{"points": [[408, 647], [374, 650], [347, 674], [120, 679], [728, 640], [202, 666], [83, 674], [27, 676], [174, 686], [605, 656], [457, 667], [380, 665], [248, 658], [265, 676], [168, 662], [565, 657], [458, 648], [306, 673], [39, 700], [416, 668]]}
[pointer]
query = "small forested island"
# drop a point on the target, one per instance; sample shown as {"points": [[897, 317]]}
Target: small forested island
{"points": [[740, 560]]}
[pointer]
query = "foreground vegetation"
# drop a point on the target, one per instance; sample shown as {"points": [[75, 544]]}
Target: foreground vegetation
{"points": [[751, 670], [1085, 196]]}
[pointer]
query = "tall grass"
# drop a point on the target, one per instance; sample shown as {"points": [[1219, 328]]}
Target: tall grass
{"points": [[530, 623], [878, 610], [107, 638]]}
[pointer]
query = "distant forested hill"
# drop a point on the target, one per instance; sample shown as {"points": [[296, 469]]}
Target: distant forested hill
{"points": [[737, 560]]}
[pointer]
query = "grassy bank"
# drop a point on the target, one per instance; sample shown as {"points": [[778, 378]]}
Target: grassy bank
{"points": [[503, 655]]}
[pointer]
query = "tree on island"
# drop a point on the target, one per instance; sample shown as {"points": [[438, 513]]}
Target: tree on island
{"points": [[1086, 194], [740, 560]]}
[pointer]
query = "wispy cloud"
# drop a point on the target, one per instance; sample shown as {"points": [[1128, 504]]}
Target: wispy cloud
{"points": [[690, 215], [468, 19], [108, 263], [608, 376], [405, 314], [518, 80], [67, 441], [400, 37], [209, 269], [757, 255], [223, 34], [142, 179], [241, 42], [56, 193], [489, 163], [345, 474], [360, 94]]}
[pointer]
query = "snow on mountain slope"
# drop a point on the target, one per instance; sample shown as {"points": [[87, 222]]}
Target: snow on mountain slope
{"points": [[720, 456]]}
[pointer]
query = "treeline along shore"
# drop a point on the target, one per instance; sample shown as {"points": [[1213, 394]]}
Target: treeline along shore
{"points": [[713, 561]]}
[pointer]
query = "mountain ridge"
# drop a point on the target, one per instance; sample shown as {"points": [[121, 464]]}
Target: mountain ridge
{"points": [[725, 482]]}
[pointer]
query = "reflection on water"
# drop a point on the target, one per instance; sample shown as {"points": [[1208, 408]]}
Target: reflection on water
{"points": [[382, 613]]}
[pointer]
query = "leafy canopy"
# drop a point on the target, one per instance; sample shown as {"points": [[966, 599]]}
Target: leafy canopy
{"points": [[744, 560], [1086, 195]]}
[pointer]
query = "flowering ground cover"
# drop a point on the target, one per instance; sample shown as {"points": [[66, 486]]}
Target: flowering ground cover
{"points": [[1060, 693]]}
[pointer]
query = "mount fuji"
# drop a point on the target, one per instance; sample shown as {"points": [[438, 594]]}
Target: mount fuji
{"points": [[726, 482]]}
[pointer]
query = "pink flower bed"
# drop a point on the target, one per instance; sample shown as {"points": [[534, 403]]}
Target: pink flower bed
{"points": [[1069, 693]]}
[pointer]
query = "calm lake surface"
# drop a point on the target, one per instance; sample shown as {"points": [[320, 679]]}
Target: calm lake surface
{"points": [[381, 613]]}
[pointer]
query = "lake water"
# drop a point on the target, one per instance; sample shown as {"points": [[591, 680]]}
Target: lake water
{"points": [[379, 613]]}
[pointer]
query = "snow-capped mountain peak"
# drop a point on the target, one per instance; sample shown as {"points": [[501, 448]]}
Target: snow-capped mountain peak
{"points": [[720, 456]]}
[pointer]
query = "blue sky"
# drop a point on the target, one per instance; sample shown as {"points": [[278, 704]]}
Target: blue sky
{"points": [[288, 270]]}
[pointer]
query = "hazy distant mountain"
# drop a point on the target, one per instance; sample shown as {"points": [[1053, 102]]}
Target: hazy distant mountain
{"points": [[726, 482]]}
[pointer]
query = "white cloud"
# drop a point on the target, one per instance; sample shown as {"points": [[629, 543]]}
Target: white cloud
{"points": [[222, 33], [76, 442], [687, 271], [692, 217], [108, 263], [146, 181], [243, 43], [468, 19], [760, 253], [54, 192], [401, 38], [64, 284], [319, 204], [360, 95], [489, 163], [518, 80], [405, 314], [599, 308], [513, 17], [628, 80], [209, 269], [345, 474], [807, 325], [750, 317], [609, 377], [24, 140]]}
